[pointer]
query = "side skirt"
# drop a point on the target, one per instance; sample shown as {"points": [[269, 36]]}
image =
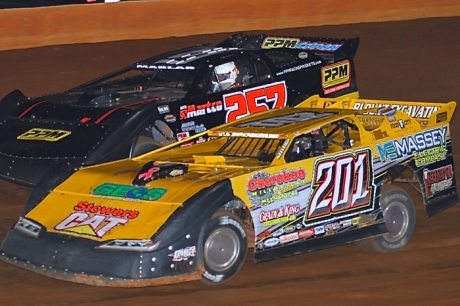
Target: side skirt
{"points": [[310, 245]]}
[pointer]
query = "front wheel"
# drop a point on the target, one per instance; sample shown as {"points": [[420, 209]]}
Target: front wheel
{"points": [[399, 215], [224, 248]]}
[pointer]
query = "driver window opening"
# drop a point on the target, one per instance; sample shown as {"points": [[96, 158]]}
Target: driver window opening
{"points": [[338, 136]]}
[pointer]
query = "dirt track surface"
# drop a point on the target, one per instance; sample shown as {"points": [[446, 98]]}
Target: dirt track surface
{"points": [[412, 60]]}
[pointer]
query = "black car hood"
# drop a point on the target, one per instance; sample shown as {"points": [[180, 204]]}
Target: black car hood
{"points": [[72, 125], [92, 106], [46, 139]]}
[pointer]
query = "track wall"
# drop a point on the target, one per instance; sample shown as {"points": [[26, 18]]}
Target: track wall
{"points": [[33, 27]]}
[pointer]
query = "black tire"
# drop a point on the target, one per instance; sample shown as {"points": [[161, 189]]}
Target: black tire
{"points": [[399, 215], [143, 145], [224, 248]]}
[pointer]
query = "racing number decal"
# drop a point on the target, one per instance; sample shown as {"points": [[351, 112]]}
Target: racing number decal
{"points": [[243, 103], [341, 185]]}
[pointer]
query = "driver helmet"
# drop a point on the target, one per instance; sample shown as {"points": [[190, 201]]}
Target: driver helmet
{"points": [[226, 75]]}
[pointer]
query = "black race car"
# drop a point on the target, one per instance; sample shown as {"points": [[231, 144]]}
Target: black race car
{"points": [[166, 98]]}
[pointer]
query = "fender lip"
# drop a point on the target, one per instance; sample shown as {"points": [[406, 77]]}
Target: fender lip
{"points": [[101, 280], [78, 260]]}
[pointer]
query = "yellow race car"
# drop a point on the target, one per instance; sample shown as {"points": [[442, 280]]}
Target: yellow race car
{"points": [[282, 182]]}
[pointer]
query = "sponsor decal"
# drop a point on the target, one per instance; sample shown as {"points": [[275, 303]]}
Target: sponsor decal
{"points": [[365, 220], [341, 184], [44, 134], [170, 118], [283, 148], [415, 111], [182, 135], [128, 192], [430, 156], [318, 46], [427, 147], [165, 67], [186, 144], [278, 232], [28, 227], [200, 128], [441, 117], [336, 77], [355, 221], [176, 172], [187, 126], [319, 230], [297, 68], [400, 124], [289, 229], [345, 223], [242, 103], [309, 232], [279, 215], [147, 175], [437, 180], [183, 254], [289, 237], [280, 42], [303, 55], [246, 135], [95, 220], [196, 110], [271, 242], [295, 43], [163, 109], [332, 226], [200, 140], [266, 234], [387, 112], [264, 188]]}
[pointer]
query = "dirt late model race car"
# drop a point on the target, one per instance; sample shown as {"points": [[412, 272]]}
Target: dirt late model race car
{"points": [[294, 180], [167, 98]]}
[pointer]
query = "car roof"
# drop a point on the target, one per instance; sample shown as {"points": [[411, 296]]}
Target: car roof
{"points": [[194, 56], [282, 123]]}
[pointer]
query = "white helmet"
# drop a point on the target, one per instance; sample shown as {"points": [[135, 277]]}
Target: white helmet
{"points": [[226, 75]]}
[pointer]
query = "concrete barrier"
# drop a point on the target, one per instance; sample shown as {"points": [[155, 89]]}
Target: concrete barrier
{"points": [[33, 27]]}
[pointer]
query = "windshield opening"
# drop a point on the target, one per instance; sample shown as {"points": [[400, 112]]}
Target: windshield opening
{"points": [[263, 149]]}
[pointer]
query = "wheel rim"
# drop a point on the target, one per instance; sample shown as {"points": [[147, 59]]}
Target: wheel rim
{"points": [[221, 249], [396, 218]]}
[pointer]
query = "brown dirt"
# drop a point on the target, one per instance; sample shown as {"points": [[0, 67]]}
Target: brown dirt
{"points": [[412, 60]]}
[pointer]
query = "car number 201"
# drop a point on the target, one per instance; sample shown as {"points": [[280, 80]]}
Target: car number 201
{"points": [[341, 184], [261, 98]]}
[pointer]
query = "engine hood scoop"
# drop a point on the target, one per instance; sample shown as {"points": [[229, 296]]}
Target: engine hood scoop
{"points": [[151, 172]]}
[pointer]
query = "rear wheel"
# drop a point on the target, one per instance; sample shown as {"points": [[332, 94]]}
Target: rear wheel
{"points": [[143, 145], [224, 248], [399, 215]]}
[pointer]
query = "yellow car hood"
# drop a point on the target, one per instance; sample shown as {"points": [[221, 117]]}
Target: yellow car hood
{"points": [[101, 203]]}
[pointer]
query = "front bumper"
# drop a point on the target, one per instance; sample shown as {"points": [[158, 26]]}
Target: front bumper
{"points": [[78, 260]]}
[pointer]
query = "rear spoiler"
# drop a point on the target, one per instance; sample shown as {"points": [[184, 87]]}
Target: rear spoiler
{"points": [[330, 49], [431, 112]]}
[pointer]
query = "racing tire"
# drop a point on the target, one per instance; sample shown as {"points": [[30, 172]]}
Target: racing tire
{"points": [[224, 248], [399, 215], [143, 145]]}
